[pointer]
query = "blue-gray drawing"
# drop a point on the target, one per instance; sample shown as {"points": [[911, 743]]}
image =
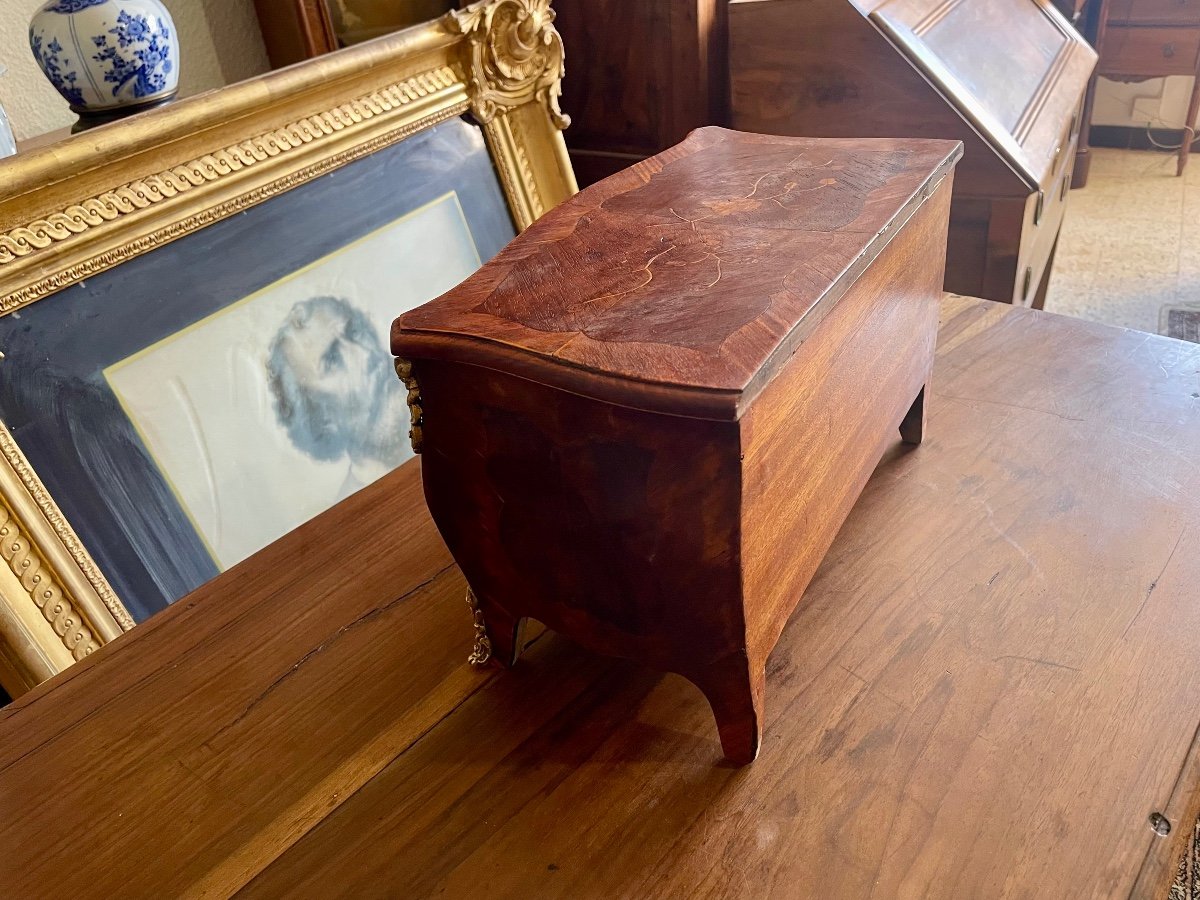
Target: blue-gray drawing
{"points": [[58, 404], [335, 389]]}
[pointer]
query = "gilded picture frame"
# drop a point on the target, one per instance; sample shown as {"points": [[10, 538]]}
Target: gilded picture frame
{"points": [[98, 199]]}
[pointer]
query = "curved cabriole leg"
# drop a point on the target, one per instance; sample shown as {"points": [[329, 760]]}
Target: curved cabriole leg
{"points": [[734, 689], [497, 634], [912, 427]]}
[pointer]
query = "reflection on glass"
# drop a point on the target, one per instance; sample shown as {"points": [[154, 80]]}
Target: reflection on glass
{"points": [[356, 21]]}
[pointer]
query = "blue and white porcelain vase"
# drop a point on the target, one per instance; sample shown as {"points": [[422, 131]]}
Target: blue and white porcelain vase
{"points": [[8, 143], [107, 57]]}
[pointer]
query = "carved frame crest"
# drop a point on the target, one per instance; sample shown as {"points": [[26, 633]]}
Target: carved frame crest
{"points": [[100, 198]]}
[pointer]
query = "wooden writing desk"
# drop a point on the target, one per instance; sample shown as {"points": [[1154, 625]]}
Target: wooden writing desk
{"points": [[989, 687]]}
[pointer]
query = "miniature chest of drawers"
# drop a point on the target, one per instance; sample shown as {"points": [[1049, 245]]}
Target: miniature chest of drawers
{"points": [[644, 422]]}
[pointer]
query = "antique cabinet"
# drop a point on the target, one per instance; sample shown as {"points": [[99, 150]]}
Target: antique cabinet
{"points": [[1088, 18], [1006, 77], [643, 74], [1143, 39]]}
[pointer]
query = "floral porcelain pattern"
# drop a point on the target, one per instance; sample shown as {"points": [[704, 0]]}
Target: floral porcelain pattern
{"points": [[141, 55], [49, 57], [70, 6], [104, 54]]}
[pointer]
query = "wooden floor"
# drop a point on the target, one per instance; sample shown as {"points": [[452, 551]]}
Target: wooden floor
{"points": [[988, 689]]}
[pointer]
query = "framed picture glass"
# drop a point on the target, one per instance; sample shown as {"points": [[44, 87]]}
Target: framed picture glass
{"points": [[203, 399], [207, 367]]}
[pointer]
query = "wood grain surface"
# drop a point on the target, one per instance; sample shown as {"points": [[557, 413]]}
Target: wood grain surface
{"points": [[989, 686], [694, 272]]}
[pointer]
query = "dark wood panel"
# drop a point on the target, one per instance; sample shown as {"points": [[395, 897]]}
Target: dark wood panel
{"points": [[1091, 24], [968, 252], [295, 30], [612, 91], [591, 166], [1149, 52], [643, 73], [1154, 12]]}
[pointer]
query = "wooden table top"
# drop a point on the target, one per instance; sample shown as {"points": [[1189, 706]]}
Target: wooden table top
{"points": [[989, 687]]}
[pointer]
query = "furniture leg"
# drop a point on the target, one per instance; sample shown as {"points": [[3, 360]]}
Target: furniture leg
{"points": [[1043, 288], [497, 634], [1094, 15], [912, 426], [733, 687], [1189, 127]]}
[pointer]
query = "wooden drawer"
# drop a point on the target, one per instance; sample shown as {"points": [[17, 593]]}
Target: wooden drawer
{"points": [[1149, 52], [1154, 12]]}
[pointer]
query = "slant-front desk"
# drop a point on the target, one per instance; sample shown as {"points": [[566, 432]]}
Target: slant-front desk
{"points": [[1005, 77]]}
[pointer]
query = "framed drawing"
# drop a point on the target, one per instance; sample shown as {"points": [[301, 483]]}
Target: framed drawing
{"points": [[194, 308]]}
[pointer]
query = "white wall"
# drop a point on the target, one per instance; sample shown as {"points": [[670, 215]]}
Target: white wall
{"points": [[220, 43], [1160, 102]]}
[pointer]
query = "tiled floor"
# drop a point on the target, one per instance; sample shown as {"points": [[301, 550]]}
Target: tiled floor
{"points": [[1130, 245]]}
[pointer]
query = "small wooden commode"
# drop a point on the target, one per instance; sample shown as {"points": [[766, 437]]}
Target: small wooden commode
{"points": [[644, 422]]}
